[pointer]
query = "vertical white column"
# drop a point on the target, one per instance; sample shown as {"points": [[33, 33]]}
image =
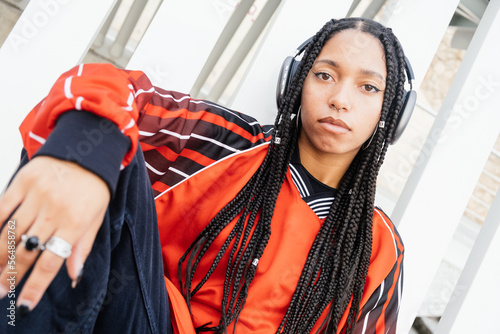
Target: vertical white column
{"points": [[420, 26], [50, 37], [179, 40], [463, 135], [293, 22], [473, 307]]}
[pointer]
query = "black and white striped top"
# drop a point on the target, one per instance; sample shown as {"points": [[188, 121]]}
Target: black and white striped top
{"points": [[317, 195]]}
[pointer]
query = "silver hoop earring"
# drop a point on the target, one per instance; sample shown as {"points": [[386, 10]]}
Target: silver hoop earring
{"points": [[370, 141], [298, 118], [381, 124]]}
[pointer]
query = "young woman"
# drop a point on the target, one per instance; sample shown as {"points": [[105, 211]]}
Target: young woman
{"points": [[262, 229]]}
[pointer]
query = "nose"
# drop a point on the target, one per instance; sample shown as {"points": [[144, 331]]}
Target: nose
{"points": [[340, 96]]}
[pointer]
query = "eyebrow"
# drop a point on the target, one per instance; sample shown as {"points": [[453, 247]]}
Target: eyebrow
{"points": [[363, 71]]}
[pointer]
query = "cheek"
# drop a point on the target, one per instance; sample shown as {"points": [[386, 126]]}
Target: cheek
{"points": [[313, 100], [370, 116], [372, 108], [308, 94], [307, 105]]}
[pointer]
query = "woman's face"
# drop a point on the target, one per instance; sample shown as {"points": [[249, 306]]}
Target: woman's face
{"points": [[343, 94]]}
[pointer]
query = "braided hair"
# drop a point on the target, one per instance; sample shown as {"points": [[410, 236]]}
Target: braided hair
{"points": [[337, 264]]}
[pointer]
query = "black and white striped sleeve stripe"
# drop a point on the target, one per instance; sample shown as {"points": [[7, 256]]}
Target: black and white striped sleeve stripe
{"points": [[319, 198]]}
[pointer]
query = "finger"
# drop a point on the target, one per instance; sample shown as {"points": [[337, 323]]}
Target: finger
{"points": [[81, 251], [21, 259], [20, 221], [27, 253], [45, 270], [8, 243], [10, 207]]}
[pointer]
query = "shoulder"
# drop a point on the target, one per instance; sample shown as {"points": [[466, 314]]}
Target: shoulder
{"points": [[386, 238], [386, 259], [383, 280]]}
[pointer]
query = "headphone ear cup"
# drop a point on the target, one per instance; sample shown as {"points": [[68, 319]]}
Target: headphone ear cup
{"points": [[409, 102], [283, 79], [288, 70]]}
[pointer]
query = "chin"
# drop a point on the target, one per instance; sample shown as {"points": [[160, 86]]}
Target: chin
{"points": [[336, 149]]}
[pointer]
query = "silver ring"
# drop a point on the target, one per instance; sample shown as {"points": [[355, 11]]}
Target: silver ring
{"points": [[32, 243], [58, 246]]}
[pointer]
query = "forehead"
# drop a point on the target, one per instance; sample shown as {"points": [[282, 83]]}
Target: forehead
{"points": [[355, 48]]}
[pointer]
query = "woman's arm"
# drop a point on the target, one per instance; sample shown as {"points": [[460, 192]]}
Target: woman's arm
{"points": [[89, 124], [102, 89], [65, 189], [384, 283], [380, 313]]}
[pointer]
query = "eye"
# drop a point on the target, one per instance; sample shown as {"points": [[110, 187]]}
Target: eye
{"points": [[370, 88], [323, 76]]}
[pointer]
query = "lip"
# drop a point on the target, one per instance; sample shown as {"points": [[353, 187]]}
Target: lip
{"points": [[335, 125]]}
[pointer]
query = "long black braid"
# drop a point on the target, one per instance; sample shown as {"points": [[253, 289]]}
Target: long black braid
{"points": [[335, 270]]}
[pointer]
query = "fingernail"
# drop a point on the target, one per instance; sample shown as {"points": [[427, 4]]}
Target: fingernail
{"points": [[75, 282], [23, 310], [3, 291]]}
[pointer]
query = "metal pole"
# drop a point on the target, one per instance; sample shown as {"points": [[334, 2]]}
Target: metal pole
{"points": [[128, 26], [225, 37], [240, 54], [478, 284]]}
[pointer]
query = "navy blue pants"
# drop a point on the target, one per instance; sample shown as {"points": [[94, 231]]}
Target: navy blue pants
{"points": [[122, 288]]}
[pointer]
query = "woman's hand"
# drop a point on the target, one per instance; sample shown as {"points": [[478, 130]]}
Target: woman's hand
{"points": [[53, 198]]}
